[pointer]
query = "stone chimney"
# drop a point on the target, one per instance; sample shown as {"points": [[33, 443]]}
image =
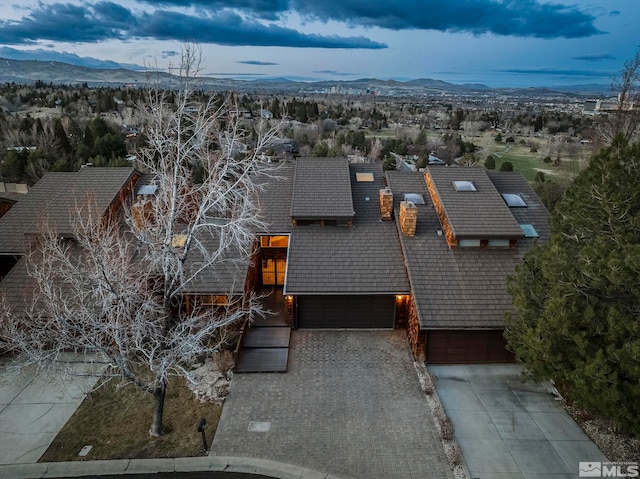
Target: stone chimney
{"points": [[408, 218], [142, 212], [386, 203]]}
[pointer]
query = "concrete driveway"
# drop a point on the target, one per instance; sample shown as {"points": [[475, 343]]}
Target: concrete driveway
{"points": [[350, 405], [33, 409], [510, 429]]}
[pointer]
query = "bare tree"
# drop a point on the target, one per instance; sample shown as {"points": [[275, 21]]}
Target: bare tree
{"points": [[116, 290], [625, 119]]}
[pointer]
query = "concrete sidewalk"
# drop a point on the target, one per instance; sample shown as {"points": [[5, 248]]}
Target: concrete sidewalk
{"points": [[510, 429], [34, 407]]}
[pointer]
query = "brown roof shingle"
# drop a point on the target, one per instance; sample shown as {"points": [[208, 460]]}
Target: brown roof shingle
{"points": [[53, 198], [462, 287], [362, 259], [473, 214], [321, 189]]}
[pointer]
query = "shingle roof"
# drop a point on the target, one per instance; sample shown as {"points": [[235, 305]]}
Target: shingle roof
{"points": [[32, 207], [461, 287], [52, 198], [321, 189], [362, 259], [226, 276], [473, 214], [275, 200]]}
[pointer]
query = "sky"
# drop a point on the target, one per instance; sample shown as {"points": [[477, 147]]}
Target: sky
{"points": [[499, 43]]}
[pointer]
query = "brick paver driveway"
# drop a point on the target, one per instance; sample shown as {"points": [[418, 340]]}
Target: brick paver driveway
{"points": [[350, 405]]}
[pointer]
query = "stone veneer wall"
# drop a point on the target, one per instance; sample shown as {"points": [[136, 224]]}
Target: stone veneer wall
{"points": [[417, 337]]}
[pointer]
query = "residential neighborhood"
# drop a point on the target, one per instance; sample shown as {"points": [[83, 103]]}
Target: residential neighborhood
{"points": [[389, 282]]}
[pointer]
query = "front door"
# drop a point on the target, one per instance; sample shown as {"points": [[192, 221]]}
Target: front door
{"points": [[274, 267]]}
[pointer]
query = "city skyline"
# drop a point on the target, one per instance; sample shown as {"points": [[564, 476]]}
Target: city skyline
{"points": [[527, 43]]}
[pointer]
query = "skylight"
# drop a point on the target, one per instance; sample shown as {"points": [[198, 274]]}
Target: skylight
{"points": [[514, 201], [415, 198], [529, 231], [364, 177], [463, 185], [147, 189]]}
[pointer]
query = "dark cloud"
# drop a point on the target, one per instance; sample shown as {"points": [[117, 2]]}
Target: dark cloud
{"points": [[522, 18], [107, 21], [62, 57], [333, 72], [595, 57], [556, 71], [256, 62], [614, 13]]}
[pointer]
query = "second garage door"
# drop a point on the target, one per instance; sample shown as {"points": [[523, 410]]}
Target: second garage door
{"points": [[337, 312], [467, 347]]}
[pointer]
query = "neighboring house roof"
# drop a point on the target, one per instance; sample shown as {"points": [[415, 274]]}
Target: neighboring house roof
{"points": [[321, 189], [52, 199], [361, 259], [462, 287], [25, 212], [481, 213]]}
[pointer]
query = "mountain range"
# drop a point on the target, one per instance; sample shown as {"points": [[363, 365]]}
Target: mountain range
{"points": [[30, 71]]}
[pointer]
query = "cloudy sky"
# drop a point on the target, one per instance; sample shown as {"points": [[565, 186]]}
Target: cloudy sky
{"points": [[495, 42]]}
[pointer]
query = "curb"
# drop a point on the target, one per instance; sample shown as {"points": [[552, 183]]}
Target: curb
{"points": [[141, 466]]}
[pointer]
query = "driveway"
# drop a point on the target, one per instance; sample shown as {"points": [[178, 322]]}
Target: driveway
{"points": [[510, 429], [350, 405], [33, 409]]}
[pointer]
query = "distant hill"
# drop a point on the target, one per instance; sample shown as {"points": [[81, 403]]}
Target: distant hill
{"points": [[30, 71]]}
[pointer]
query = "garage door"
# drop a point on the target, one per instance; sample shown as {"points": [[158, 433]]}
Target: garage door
{"points": [[346, 312], [467, 347]]}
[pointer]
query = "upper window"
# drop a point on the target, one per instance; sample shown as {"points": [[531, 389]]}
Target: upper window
{"points": [[364, 177], [280, 241], [514, 201], [463, 185], [415, 198]]}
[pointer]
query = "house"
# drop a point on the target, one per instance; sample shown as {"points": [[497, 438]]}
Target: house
{"points": [[50, 201], [352, 247], [347, 245], [473, 227], [338, 264]]}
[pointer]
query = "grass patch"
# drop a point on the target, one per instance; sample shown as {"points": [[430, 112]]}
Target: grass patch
{"points": [[116, 420]]}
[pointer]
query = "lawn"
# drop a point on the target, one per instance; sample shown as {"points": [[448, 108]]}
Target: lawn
{"points": [[115, 421]]}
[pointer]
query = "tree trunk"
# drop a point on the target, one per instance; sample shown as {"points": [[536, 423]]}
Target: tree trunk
{"points": [[158, 409]]}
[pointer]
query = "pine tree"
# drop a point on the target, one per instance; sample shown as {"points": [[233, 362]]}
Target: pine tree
{"points": [[577, 297]]}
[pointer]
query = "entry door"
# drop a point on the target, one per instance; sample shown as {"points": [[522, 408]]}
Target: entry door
{"points": [[274, 268]]}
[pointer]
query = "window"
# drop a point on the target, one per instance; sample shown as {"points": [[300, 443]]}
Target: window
{"points": [[469, 243], [498, 243], [415, 198], [514, 201], [281, 241], [364, 177], [215, 300], [463, 185], [179, 240], [529, 231]]}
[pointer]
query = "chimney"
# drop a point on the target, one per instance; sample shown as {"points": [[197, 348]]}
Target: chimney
{"points": [[386, 203], [408, 218], [142, 212]]}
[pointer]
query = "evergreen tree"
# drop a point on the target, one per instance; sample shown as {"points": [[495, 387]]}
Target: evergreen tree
{"points": [[506, 166], [577, 298]]}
